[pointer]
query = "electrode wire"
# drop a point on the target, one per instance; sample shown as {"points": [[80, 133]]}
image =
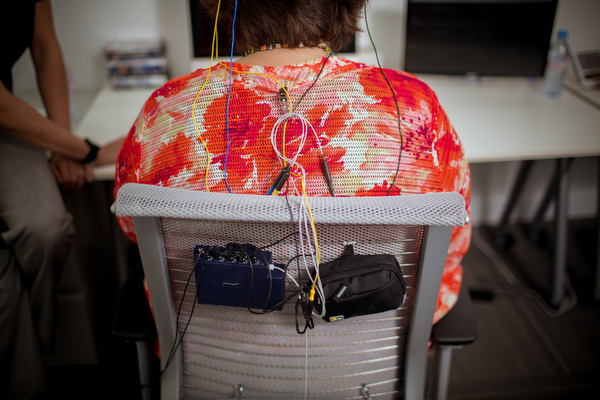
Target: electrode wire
{"points": [[212, 52], [395, 101]]}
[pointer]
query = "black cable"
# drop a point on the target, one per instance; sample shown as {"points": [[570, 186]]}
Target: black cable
{"points": [[306, 313], [282, 302], [395, 101], [279, 241], [252, 279], [176, 343], [295, 233], [319, 74], [325, 165], [297, 256]]}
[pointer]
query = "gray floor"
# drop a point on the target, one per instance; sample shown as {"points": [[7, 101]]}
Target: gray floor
{"points": [[525, 349]]}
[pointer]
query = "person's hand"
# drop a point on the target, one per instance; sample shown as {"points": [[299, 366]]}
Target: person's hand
{"points": [[69, 173]]}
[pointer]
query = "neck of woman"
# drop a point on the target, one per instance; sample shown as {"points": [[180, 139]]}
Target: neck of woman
{"points": [[283, 56]]}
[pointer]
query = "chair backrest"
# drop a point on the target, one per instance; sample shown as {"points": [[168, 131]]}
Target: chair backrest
{"points": [[226, 349]]}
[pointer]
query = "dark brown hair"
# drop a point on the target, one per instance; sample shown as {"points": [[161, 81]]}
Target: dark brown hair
{"points": [[312, 22]]}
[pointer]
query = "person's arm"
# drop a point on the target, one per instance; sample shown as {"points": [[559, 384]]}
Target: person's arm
{"points": [[52, 80], [109, 152], [52, 83], [49, 66], [21, 120]]}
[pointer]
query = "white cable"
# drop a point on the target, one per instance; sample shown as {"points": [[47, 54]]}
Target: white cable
{"points": [[304, 217], [305, 364], [304, 220], [286, 275], [302, 137]]}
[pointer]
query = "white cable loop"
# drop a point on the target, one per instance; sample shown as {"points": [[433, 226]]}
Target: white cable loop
{"points": [[304, 220]]}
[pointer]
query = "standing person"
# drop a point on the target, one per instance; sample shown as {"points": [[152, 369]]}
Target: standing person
{"points": [[34, 225], [382, 132]]}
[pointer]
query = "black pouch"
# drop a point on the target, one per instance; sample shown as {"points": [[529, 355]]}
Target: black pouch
{"points": [[356, 285]]}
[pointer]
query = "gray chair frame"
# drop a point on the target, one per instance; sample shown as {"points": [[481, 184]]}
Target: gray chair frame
{"points": [[140, 202]]}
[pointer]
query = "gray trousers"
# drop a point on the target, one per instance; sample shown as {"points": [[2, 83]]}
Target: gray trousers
{"points": [[37, 232]]}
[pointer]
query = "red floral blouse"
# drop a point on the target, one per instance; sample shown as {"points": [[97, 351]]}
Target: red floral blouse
{"points": [[181, 138]]}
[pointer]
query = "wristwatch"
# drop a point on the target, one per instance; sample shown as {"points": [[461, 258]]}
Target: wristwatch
{"points": [[93, 153]]}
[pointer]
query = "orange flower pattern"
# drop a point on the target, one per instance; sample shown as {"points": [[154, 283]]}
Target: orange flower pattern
{"points": [[371, 151]]}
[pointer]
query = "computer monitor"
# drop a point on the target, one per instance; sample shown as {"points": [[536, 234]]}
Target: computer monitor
{"points": [[480, 37]]}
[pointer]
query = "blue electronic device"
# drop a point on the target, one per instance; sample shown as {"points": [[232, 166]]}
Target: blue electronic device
{"points": [[238, 276]]}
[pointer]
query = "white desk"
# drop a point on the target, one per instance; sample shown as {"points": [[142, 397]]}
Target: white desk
{"points": [[110, 116], [498, 119], [590, 95], [507, 119]]}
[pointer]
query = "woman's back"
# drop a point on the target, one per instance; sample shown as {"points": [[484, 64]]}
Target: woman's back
{"points": [[350, 107], [196, 133]]}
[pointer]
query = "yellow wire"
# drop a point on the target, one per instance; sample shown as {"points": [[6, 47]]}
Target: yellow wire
{"points": [[261, 74], [214, 49], [212, 52], [311, 296], [279, 83], [255, 73]]}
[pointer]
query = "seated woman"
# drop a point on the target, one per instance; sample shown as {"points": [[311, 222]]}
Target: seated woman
{"points": [[228, 128]]}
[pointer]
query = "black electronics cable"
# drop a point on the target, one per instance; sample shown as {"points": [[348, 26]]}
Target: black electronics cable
{"points": [[302, 300], [285, 171], [304, 304], [252, 279], [177, 343], [294, 294], [284, 301], [395, 101], [324, 160], [319, 74], [279, 241]]}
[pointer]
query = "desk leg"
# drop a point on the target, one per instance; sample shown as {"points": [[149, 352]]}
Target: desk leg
{"points": [[503, 238], [537, 229], [597, 285], [561, 227]]}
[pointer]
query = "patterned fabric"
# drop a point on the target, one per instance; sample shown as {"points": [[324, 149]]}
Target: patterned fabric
{"points": [[353, 113]]}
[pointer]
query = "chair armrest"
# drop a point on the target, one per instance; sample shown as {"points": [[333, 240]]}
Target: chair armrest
{"points": [[458, 327], [133, 318]]}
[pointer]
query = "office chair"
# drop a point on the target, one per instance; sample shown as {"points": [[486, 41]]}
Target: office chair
{"points": [[228, 352]]}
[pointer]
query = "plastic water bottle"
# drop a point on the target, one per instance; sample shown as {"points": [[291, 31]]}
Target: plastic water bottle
{"points": [[556, 67]]}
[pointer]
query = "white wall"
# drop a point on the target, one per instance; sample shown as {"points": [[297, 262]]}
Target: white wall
{"points": [[84, 26]]}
